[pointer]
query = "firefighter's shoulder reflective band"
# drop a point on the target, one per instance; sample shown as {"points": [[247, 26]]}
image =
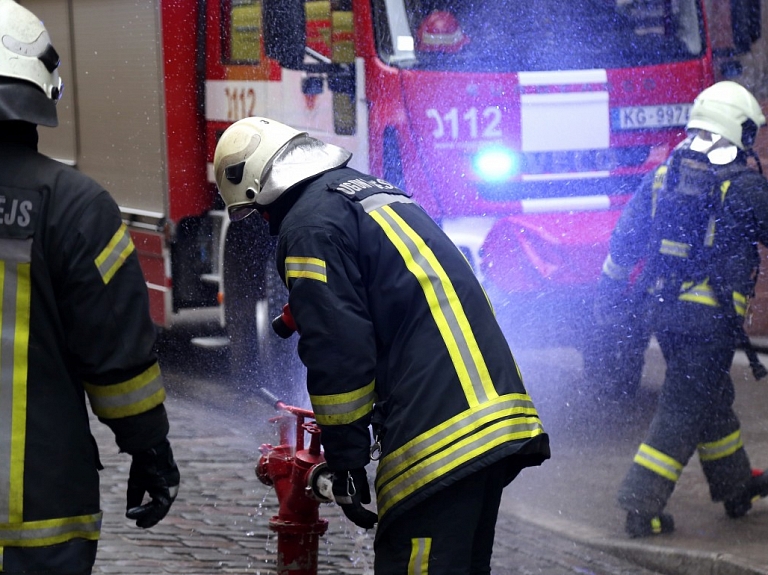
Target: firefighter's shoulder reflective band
{"points": [[136, 395], [464, 437], [50, 531], [343, 408], [310, 268], [658, 462], [444, 304], [418, 564], [377, 201], [722, 448], [114, 255]]}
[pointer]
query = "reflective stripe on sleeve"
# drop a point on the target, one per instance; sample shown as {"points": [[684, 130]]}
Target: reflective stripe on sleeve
{"points": [[676, 249], [15, 294], [444, 305], [658, 462], [309, 268], [343, 408], [50, 531], [614, 270], [722, 448], [136, 395], [114, 255]]}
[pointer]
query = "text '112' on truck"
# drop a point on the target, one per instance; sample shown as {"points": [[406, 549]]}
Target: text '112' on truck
{"points": [[521, 127]]}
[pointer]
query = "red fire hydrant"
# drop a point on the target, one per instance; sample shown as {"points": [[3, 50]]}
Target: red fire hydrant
{"points": [[302, 481]]}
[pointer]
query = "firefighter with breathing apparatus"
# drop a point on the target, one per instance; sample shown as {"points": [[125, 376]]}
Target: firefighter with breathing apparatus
{"points": [[396, 334], [694, 227]]}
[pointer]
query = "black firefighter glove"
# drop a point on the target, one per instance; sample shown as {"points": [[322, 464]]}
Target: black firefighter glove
{"points": [[351, 490], [153, 472]]}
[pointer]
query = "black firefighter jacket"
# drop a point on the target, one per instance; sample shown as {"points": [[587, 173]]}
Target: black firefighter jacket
{"points": [[73, 319], [391, 315], [718, 278]]}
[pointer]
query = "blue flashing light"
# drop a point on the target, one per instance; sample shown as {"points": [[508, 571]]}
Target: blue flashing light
{"points": [[495, 164]]}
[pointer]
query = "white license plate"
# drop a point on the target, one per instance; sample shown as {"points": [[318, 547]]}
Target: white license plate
{"points": [[661, 116]]}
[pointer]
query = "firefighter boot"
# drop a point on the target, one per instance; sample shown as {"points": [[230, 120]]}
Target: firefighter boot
{"points": [[756, 487], [643, 524]]}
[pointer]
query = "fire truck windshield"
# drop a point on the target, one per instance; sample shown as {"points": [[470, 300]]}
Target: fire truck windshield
{"points": [[536, 35]]}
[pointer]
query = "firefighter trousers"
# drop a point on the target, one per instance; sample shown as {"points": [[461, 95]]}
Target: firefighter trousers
{"points": [[449, 533], [694, 413]]}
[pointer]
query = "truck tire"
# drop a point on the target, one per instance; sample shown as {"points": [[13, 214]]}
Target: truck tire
{"points": [[253, 296]]}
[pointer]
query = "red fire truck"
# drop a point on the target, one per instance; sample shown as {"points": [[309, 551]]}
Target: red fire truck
{"points": [[522, 127]]}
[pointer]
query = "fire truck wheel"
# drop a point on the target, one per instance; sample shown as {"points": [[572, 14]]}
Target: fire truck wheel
{"points": [[253, 295]]}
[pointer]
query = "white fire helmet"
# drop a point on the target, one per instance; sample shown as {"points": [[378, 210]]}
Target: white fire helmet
{"points": [[29, 80], [729, 110], [241, 162]]}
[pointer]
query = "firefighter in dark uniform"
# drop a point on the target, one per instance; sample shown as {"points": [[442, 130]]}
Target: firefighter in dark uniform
{"points": [[74, 321], [695, 225], [396, 333]]}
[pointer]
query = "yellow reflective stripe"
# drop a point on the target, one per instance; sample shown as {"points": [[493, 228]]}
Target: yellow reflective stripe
{"points": [[658, 462], [114, 255], [677, 249], [455, 455], [50, 531], [709, 238], [658, 183], [700, 293], [343, 408], [310, 268], [418, 564], [455, 441], [722, 448], [740, 302], [136, 395], [15, 294], [614, 270], [724, 187], [505, 406], [444, 305], [656, 525]]}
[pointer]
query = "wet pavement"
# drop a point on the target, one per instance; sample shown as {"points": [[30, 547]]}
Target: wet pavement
{"points": [[557, 519]]}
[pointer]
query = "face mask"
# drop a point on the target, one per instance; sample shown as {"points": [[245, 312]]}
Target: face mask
{"points": [[718, 150]]}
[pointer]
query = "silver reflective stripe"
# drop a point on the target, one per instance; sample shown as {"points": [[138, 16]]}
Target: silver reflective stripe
{"points": [[614, 270], [377, 201], [442, 462], [343, 408], [419, 560], [516, 404], [136, 395], [15, 283], [677, 249], [114, 255], [50, 531], [305, 267], [658, 462], [444, 304], [722, 448]]}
